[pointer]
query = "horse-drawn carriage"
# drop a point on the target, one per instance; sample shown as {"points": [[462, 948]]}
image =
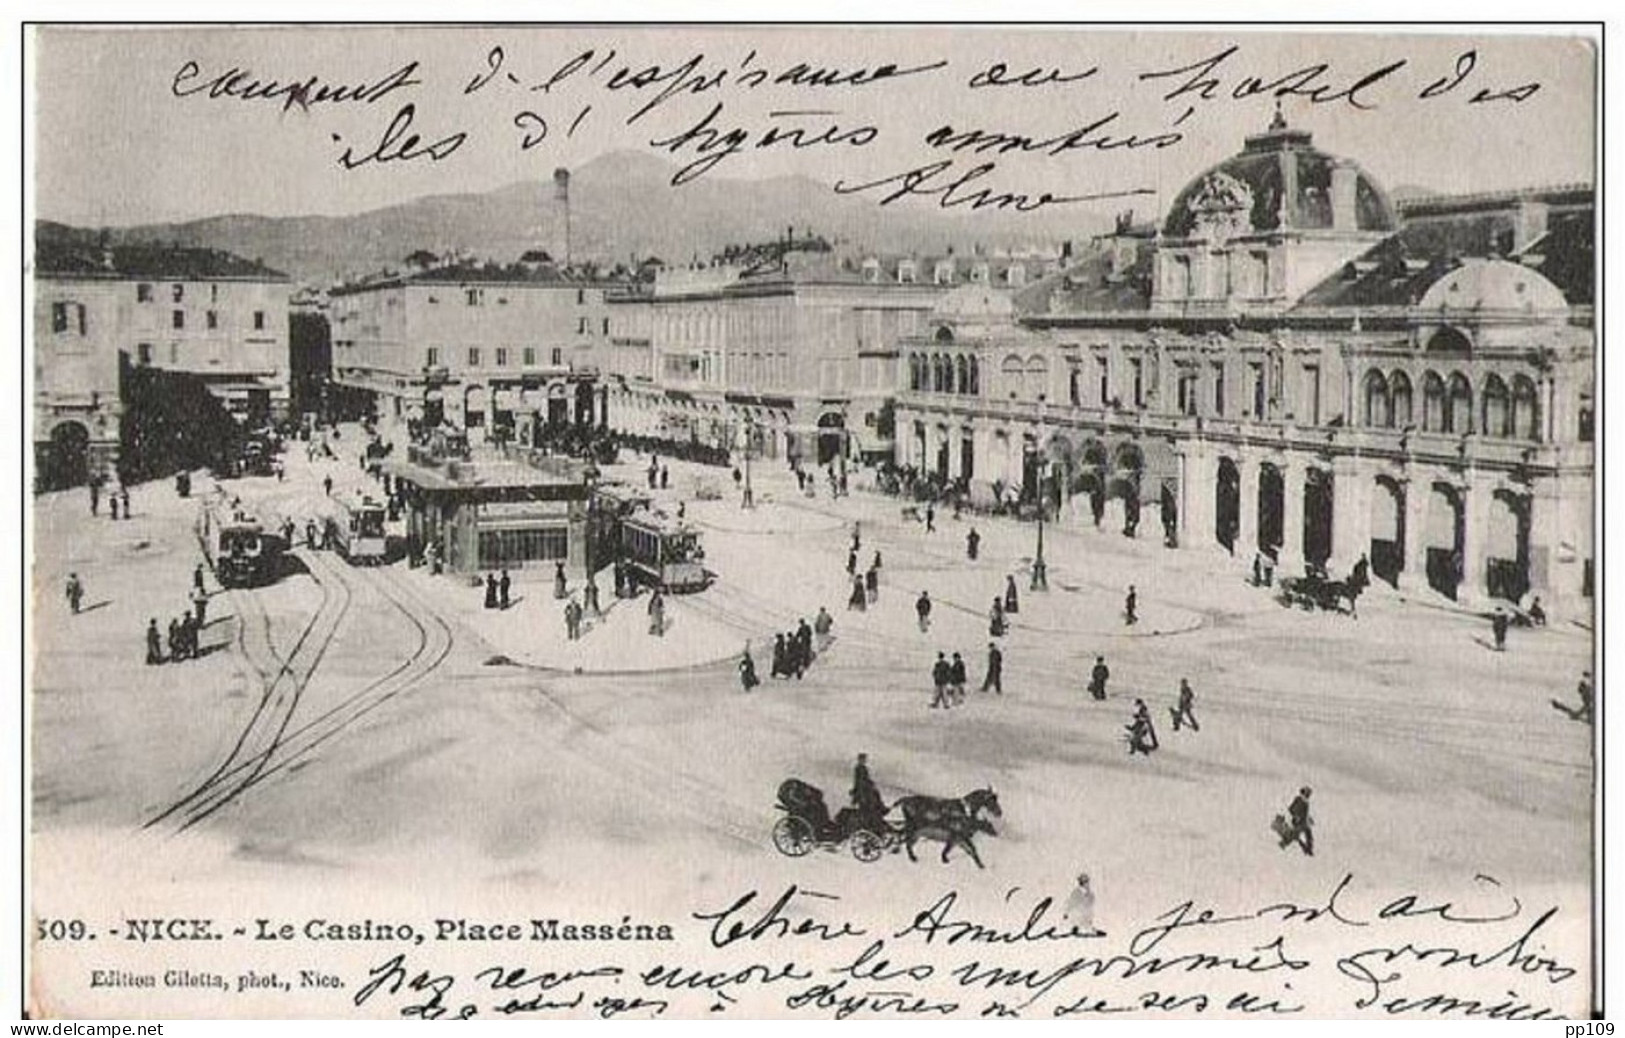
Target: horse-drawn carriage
{"points": [[1315, 591], [807, 823]]}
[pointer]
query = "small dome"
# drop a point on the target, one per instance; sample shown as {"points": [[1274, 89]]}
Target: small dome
{"points": [[1280, 181], [974, 303], [1493, 284]]}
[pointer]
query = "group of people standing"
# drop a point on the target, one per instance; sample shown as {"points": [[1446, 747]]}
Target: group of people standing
{"points": [[184, 631], [118, 500]]}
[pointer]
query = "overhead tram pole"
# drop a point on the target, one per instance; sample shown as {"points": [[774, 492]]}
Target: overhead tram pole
{"points": [[749, 500]]}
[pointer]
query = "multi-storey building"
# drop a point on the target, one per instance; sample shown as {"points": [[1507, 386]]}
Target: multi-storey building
{"points": [[1298, 366], [493, 349], [790, 351], [201, 311]]}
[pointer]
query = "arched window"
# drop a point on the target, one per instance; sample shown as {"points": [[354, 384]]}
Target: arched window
{"points": [[1399, 395], [961, 376], [1493, 421], [1012, 369], [1458, 412], [1378, 413], [1432, 402], [1037, 377], [975, 388], [939, 376], [1073, 393], [1449, 340], [1525, 418], [914, 377]]}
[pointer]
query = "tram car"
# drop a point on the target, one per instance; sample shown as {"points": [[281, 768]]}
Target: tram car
{"points": [[356, 530], [240, 550], [663, 552]]}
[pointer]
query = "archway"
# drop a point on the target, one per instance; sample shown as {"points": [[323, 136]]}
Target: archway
{"points": [[558, 405], [1271, 499], [1458, 412], [1496, 419], [1388, 530], [1091, 478], [1507, 546], [1399, 393], [67, 457], [1128, 469], [1227, 504], [584, 402], [1317, 516], [832, 436], [1432, 403], [1525, 423], [474, 402], [1378, 413], [1445, 536], [1449, 341]]}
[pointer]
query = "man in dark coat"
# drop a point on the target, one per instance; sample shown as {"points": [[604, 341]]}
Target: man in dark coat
{"points": [[957, 678], [851, 562], [940, 674], [1142, 737], [176, 647], [995, 669], [804, 641], [75, 592], [1131, 604], [1299, 828], [1097, 678], [1498, 626], [871, 583], [504, 585], [1012, 603], [747, 671], [781, 658], [858, 600], [866, 801], [922, 609], [973, 542], [155, 651], [657, 614], [1182, 713]]}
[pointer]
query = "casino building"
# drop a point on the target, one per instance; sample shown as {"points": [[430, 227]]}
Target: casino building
{"points": [[1292, 363]]}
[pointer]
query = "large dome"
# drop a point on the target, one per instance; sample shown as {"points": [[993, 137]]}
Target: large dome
{"points": [[1280, 181], [1493, 284]]}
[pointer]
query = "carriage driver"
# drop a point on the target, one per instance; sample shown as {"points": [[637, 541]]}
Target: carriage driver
{"points": [[867, 807]]}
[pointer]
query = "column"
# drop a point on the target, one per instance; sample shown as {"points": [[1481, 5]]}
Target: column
{"points": [[1413, 576], [1476, 503], [1291, 560], [1247, 508], [1351, 516], [1197, 487]]}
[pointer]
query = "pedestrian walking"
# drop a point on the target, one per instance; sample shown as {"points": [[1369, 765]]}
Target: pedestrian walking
{"points": [[1297, 827], [1080, 907], [851, 562], [561, 583], [620, 579], [1142, 737], [1131, 602], [823, 624], [973, 542], [572, 628], [591, 595], [930, 519], [95, 496], [190, 637], [310, 534], [781, 658], [176, 650], [112, 506], [327, 484], [1098, 677], [804, 645], [124, 499], [665, 477], [1012, 602], [154, 643], [940, 673], [1583, 712], [1182, 713], [957, 679], [657, 613], [857, 538], [922, 609], [875, 565], [995, 669], [996, 623], [504, 585], [747, 666], [871, 583], [200, 603], [1498, 627], [490, 591], [75, 592], [858, 600]]}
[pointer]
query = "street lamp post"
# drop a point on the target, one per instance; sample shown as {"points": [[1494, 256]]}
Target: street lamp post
{"points": [[1040, 580], [749, 500]]}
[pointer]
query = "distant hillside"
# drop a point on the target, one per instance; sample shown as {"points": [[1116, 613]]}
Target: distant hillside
{"points": [[621, 204]]}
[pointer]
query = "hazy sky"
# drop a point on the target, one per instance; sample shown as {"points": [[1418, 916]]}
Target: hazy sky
{"points": [[114, 144]]}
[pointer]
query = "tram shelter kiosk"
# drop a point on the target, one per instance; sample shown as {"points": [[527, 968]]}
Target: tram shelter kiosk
{"points": [[513, 511]]}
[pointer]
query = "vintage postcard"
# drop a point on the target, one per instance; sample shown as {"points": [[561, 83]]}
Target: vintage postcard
{"points": [[765, 521]]}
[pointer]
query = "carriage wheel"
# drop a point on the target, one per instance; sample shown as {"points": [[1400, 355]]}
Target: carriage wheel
{"points": [[866, 846], [792, 836]]}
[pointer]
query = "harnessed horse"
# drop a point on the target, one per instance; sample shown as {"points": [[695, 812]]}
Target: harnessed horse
{"points": [[952, 821]]}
